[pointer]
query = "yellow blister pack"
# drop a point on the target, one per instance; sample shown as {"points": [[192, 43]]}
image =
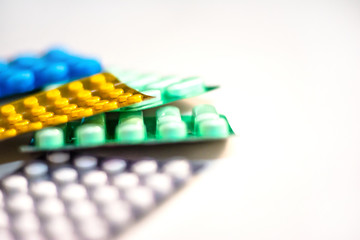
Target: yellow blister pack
{"points": [[82, 98]]}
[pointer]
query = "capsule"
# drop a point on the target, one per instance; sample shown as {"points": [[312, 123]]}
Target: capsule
{"points": [[187, 87], [168, 114], [90, 134], [50, 138]]}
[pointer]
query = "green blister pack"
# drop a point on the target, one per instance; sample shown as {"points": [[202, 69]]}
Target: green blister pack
{"points": [[164, 89], [115, 129]]}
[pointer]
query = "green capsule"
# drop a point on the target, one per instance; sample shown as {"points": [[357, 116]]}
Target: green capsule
{"points": [[130, 132], [168, 114], [190, 86], [90, 134], [163, 83], [213, 128], [172, 131], [203, 112], [49, 138]]}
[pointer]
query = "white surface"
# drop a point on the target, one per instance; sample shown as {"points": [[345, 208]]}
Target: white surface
{"points": [[290, 87]]}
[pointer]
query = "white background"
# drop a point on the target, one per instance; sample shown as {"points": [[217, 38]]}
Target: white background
{"points": [[289, 72]]}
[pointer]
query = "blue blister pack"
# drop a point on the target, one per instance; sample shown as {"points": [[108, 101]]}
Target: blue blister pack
{"points": [[26, 73]]}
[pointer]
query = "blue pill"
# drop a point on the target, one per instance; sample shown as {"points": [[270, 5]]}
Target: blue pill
{"points": [[25, 61], [84, 67], [53, 73], [57, 55], [17, 81], [3, 66]]}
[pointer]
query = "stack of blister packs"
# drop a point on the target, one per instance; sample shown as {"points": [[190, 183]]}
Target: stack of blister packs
{"points": [[67, 193]]}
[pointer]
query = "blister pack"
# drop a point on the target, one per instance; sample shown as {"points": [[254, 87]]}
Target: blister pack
{"points": [[29, 72], [114, 129], [75, 100], [66, 196], [164, 89]]}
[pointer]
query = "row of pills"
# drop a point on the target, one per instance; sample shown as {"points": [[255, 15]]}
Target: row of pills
{"points": [[83, 98], [131, 128], [163, 88], [28, 72], [83, 198]]}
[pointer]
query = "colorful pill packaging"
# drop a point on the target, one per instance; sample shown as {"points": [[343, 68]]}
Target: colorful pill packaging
{"points": [[115, 129], [75, 100], [28, 72], [164, 89], [84, 197]]}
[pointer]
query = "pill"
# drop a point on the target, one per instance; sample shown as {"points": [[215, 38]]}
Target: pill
{"points": [[85, 67], [20, 203], [15, 184], [85, 163], [136, 116], [163, 83], [19, 81], [43, 189], [52, 73], [144, 167], [7, 110], [114, 166], [5, 234], [56, 54], [36, 170], [75, 87], [59, 228], [53, 94], [171, 131], [50, 208], [141, 82], [203, 109], [141, 199], [94, 178], [136, 98], [97, 80], [179, 170], [25, 61], [126, 180], [190, 86], [65, 175], [4, 220], [90, 134], [25, 224], [94, 228], [73, 192], [161, 184], [203, 112], [105, 194], [31, 102], [130, 132], [58, 158], [82, 209], [118, 214], [168, 114], [213, 128]]}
